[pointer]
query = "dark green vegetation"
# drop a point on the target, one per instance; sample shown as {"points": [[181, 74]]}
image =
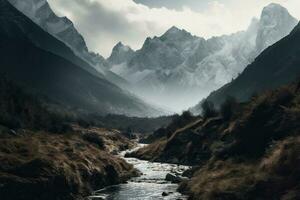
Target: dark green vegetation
{"points": [[45, 65], [168, 129], [20, 110], [253, 153], [126, 124], [277, 65]]}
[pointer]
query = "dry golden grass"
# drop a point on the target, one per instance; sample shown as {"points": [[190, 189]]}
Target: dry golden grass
{"points": [[48, 163], [273, 176]]}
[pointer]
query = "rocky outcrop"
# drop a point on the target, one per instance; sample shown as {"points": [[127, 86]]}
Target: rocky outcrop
{"points": [[175, 178]]}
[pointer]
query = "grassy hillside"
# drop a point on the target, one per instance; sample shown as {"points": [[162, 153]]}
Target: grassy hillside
{"points": [[252, 153], [44, 155]]}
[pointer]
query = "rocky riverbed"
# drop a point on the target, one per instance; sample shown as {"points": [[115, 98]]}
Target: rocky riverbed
{"points": [[151, 184]]}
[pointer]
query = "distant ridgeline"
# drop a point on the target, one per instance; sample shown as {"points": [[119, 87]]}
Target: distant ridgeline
{"points": [[277, 65], [42, 63]]}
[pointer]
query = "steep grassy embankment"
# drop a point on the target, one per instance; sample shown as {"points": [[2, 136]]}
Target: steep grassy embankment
{"points": [[47, 166], [44, 156], [252, 153]]}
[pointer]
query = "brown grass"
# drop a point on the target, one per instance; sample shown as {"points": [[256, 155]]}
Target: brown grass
{"points": [[44, 166]]}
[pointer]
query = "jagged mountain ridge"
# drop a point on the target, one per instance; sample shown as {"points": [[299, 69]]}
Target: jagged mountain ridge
{"points": [[188, 67], [27, 58], [277, 65], [120, 53], [63, 28]]}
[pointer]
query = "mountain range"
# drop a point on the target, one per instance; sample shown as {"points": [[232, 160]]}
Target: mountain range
{"points": [[247, 146], [40, 12], [40, 62], [177, 69], [277, 65], [174, 70]]}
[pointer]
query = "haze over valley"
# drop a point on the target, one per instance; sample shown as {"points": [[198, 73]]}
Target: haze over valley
{"points": [[140, 99], [176, 70]]}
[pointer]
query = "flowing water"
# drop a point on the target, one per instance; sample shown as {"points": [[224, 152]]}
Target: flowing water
{"points": [[150, 185]]}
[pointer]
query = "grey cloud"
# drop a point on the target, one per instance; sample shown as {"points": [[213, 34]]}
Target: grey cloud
{"points": [[103, 28], [175, 4]]}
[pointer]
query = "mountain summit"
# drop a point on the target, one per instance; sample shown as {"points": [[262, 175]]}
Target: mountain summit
{"points": [[63, 28], [41, 13], [275, 23], [120, 54], [187, 68], [43, 64], [274, 67]]}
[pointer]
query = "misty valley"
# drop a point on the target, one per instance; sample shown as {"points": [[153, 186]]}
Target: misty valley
{"points": [[171, 115]]}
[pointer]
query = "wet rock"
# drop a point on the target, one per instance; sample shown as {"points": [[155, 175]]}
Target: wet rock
{"points": [[189, 173], [164, 194], [175, 178]]}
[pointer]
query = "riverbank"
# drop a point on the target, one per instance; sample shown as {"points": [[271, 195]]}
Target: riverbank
{"points": [[245, 151], [40, 165], [151, 184]]}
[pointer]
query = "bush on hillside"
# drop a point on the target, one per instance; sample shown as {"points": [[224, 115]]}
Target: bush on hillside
{"points": [[228, 108], [21, 110], [208, 109]]}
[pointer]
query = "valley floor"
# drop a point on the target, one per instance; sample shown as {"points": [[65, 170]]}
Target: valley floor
{"points": [[152, 183]]}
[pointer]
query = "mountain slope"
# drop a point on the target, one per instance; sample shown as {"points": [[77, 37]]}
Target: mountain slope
{"points": [[120, 54], [62, 28], [253, 153], [41, 13], [187, 68], [277, 65], [27, 57]]}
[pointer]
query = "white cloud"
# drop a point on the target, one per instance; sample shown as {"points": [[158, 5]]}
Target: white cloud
{"points": [[103, 23]]}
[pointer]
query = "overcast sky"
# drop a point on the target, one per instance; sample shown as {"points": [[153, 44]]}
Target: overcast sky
{"points": [[103, 23]]}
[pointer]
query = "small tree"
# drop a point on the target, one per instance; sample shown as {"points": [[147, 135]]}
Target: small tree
{"points": [[208, 109], [227, 108]]}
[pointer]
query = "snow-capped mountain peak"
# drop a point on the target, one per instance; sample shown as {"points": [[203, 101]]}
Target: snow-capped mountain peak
{"points": [[176, 34], [122, 48], [275, 23], [120, 54], [173, 30], [62, 28], [187, 67]]}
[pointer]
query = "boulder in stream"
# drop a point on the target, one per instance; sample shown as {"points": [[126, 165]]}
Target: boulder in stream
{"points": [[175, 178]]}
